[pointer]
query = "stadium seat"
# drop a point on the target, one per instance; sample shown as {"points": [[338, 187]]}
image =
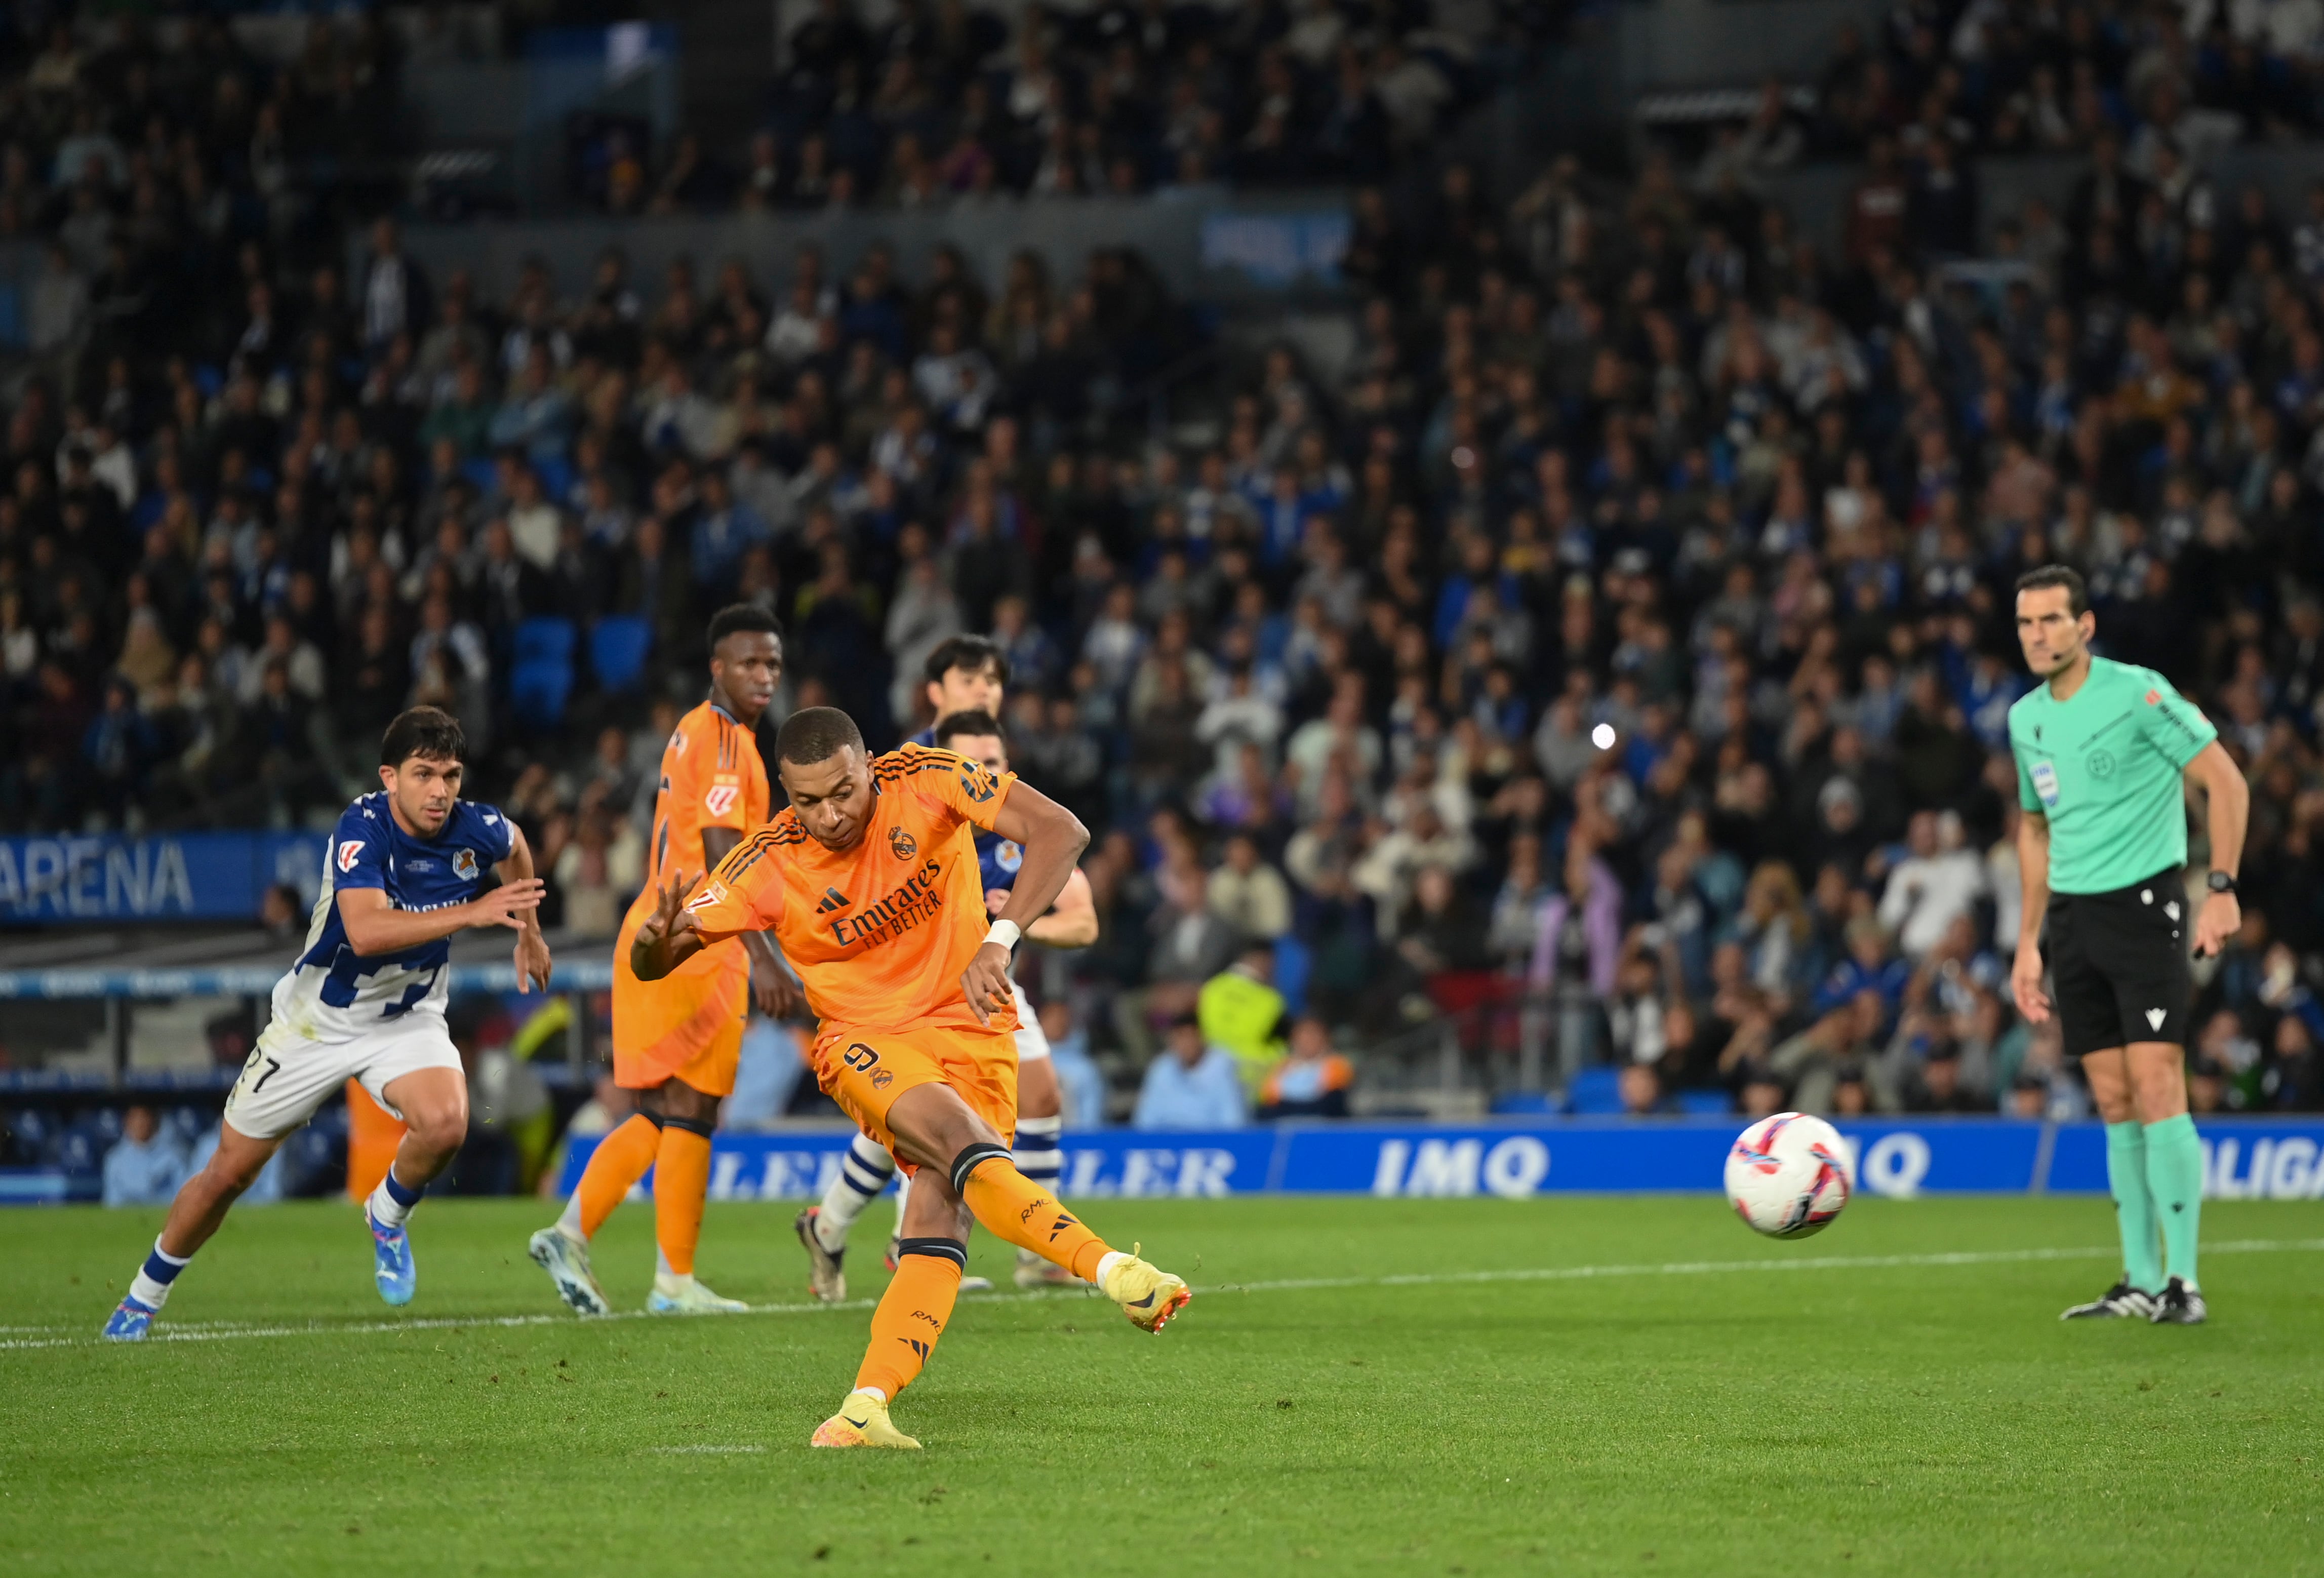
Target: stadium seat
{"points": [[1595, 1093], [538, 689], [545, 640], [1293, 964], [1524, 1104], [618, 646], [79, 1149], [1705, 1103], [555, 475]]}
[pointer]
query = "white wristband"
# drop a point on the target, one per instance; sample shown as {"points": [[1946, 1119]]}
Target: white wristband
{"points": [[1005, 933]]}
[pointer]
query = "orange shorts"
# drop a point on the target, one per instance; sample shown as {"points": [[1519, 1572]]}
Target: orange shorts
{"points": [[864, 1071], [688, 1027]]}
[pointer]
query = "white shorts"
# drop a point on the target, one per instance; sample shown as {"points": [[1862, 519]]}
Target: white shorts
{"points": [[288, 1077], [1032, 1042]]}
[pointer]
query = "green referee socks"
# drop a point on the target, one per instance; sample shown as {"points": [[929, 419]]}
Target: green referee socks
{"points": [[2127, 1170], [2174, 1177]]}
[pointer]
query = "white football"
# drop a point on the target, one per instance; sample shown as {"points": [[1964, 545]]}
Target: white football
{"points": [[1789, 1176]]}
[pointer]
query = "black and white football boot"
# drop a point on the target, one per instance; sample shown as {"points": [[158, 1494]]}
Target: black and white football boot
{"points": [[2121, 1299], [2179, 1305]]}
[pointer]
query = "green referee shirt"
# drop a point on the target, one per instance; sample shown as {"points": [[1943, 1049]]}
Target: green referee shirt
{"points": [[2105, 768]]}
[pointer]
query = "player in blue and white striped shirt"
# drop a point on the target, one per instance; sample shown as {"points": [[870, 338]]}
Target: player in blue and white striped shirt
{"points": [[405, 869]]}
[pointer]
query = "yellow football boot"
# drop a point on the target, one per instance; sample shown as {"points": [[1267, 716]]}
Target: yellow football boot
{"points": [[862, 1421], [1147, 1294]]}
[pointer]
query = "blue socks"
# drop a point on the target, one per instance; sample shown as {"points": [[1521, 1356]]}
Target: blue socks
{"points": [[151, 1286], [392, 1201], [1038, 1155]]}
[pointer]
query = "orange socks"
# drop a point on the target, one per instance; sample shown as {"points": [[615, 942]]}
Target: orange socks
{"points": [[614, 1167], [912, 1313], [681, 1179], [1012, 1206], [679, 1158]]}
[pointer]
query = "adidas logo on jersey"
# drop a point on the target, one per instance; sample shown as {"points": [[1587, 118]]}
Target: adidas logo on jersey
{"points": [[833, 899]]}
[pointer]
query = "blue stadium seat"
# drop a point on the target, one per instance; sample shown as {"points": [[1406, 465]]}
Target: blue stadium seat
{"points": [[79, 1149], [618, 645], [1595, 1092], [1524, 1104], [556, 474], [1705, 1103], [1293, 964], [545, 640], [538, 689]]}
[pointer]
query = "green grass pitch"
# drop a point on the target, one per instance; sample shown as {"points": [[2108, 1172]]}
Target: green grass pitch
{"points": [[1581, 1385]]}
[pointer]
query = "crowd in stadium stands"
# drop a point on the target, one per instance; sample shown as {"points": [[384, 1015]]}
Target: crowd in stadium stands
{"points": [[1627, 461], [940, 102], [2166, 82]]}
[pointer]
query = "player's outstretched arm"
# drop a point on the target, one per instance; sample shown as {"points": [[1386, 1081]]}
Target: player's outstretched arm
{"points": [[2222, 782], [376, 927], [774, 990], [1053, 839], [532, 962], [667, 937]]}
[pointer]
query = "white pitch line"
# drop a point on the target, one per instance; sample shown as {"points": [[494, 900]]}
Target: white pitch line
{"points": [[230, 1331], [689, 1451]]}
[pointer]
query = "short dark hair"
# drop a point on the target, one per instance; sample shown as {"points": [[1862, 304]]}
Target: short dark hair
{"points": [[2078, 591], [742, 616], [816, 733], [974, 721], [427, 732], [975, 653]]}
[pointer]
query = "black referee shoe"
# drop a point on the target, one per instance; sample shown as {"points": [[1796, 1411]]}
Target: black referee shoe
{"points": [[2121, 1299], [2179, 1305]]}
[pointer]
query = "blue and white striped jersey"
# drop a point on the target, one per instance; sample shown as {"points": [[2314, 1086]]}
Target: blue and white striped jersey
{"points": [[332, 993], [998, 861]]}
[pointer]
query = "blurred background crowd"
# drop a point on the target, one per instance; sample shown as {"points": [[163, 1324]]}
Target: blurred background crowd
{"points": [[1592, 671]]}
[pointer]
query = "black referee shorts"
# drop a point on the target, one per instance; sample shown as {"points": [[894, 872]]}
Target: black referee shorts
{"points": [[2118, 965]]}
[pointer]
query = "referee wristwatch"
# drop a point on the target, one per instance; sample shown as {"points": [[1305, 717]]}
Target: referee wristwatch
{"points": [[2220, 882]]}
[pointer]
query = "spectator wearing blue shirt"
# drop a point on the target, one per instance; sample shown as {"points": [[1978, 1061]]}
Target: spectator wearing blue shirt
{"points": [[1191, 1086], [144, 1167], [1079, 1079], [1869, 966], [724, 532]]}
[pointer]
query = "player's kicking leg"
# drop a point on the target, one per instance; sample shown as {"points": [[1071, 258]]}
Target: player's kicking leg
{"points": [[433, 1103], [970, 1175], [670, 1136]]}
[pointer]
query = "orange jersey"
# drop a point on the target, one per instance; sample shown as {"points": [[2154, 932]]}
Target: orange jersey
{"points": [[711, 777], [880, 933]]}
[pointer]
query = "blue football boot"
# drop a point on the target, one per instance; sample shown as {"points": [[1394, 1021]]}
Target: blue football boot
{"points": [[129, 1323], [391, 1247]]}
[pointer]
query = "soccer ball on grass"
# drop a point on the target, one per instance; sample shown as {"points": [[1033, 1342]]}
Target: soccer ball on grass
{"points": [[1789, 1176]]}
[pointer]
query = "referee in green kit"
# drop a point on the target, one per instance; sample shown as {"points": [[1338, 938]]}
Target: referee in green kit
{"points": [[2102, 749]]}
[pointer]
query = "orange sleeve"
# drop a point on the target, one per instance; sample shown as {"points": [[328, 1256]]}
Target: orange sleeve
{"points": [[745, 893], [956, 788], [712, 782]]}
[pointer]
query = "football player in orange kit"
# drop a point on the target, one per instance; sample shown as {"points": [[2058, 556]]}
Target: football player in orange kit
{"points": [[677, 1042], [870, 880]]}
